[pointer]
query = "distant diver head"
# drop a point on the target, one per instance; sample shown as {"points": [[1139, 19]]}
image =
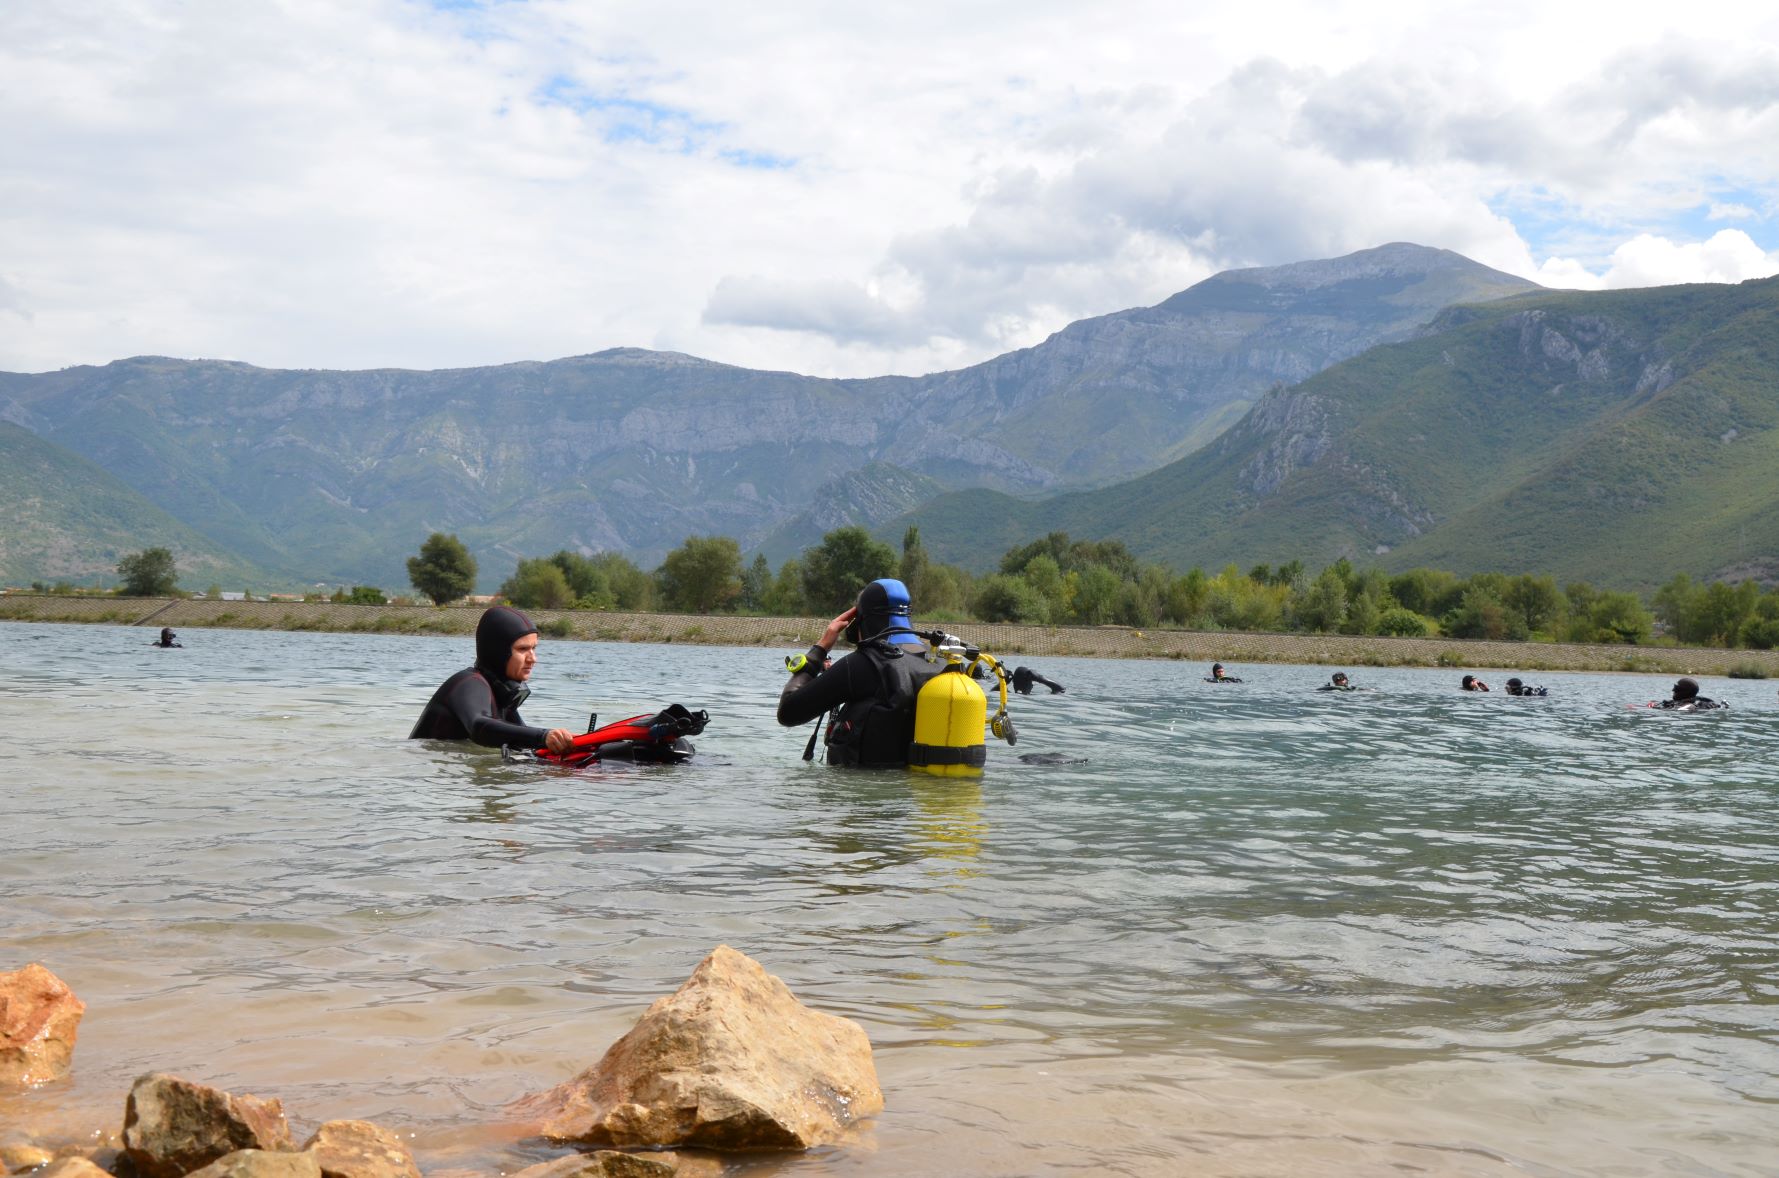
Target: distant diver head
{"points": [[882, 610], [1216, 668], [500, 627], [1514, 685], [1469, 683], [167, 634], [1686, 689], [1340, 676]]}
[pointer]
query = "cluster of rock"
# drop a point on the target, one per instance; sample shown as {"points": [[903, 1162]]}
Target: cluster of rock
{"points": [[730, 1061]]}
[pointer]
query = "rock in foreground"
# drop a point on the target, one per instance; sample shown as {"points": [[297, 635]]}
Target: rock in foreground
{"points": [[730, 1061], [173, 1126], [39, 1019], [359, 1149]]}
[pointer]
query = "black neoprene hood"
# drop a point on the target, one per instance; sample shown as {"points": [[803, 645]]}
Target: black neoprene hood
{"points": [[500, 627]]}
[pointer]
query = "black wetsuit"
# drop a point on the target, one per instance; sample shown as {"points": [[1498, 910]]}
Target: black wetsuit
{"points": [[467, 706], [1698, 703], [1024, 677], [871, 695], [479, 703]]}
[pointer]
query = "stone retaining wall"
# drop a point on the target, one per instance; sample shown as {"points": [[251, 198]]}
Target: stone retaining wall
{"points": [[796, 633]]}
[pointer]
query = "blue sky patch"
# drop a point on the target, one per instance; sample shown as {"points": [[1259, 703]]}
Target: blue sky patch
{"points": [[633, 120], [1553, 227]]}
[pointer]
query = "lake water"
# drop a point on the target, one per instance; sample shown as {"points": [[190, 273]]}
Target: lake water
{"points": [[1262, 931]]}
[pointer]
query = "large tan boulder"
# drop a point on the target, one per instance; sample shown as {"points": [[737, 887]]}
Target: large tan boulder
{"points": [[730, 1061], [261, 1163], [359, 1149], [173, 1126], [39, 1019]]}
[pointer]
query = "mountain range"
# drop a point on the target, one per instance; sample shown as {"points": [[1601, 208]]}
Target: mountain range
{"points": [[1616, 436], [337, 477]]}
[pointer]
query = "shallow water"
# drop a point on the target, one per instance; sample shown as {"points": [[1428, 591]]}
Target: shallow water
{"points": [[1262, 931]]}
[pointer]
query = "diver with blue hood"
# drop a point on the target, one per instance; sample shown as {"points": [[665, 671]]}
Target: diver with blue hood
{"points": [[869, 694], [481, 702]]}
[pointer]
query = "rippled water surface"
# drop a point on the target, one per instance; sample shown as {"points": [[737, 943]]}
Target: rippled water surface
{"points": [[1262, 930]]}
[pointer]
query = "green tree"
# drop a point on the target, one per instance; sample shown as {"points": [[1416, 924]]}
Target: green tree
{"points": [[632, 589], [1046, 580], [1096, 594], [538, 584], [946, 589], [915, 562], [444, 570], [361, 595], [1761, 631], [588, 586], [1004, 598], [1481, 614], [149, 573], [1677, 605], [701, 575], [1237, 602], [1619, 617], [843, 563], [1430, 592], [1186, 597], [756, 583], [785, 598], [1403, 623], [1323, 606], [1537, 601]]}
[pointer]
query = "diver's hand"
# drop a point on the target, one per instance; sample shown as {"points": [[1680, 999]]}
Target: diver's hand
{"points": [[559, 740], [836, 628]]}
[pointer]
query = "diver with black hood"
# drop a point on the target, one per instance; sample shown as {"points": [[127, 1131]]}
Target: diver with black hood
{"points": [[481, 703], [871, 692]]}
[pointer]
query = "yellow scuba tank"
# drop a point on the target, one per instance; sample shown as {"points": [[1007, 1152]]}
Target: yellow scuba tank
{"points": [[950, 716]]}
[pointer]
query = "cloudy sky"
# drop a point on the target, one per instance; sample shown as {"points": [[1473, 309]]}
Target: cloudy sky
{"points": [[840, 189]]}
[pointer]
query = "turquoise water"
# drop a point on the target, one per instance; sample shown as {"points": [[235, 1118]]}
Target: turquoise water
{"points": [[1262, 931]]}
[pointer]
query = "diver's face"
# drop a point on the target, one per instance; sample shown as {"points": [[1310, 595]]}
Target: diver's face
{"points": [[523, 658]]}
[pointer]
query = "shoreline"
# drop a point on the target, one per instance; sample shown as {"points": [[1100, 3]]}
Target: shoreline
{"points": [[1009, 639]]}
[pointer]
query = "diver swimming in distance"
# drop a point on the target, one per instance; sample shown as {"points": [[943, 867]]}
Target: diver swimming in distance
{"points": [[1472, 683], [1338, 682], [1025, 677], [1520, 688], [1218, 675], [1686, 698]]}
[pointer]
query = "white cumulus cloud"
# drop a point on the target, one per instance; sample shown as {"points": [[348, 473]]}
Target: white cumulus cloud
{"points": [[831, 189]]}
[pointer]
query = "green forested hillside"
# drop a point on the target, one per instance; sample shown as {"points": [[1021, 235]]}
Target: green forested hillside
{"points": [[1620, 436], [70, 521], [339, 476]]}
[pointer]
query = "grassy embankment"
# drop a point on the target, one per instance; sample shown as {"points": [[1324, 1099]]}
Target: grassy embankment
{"points": [[1009, 640]]}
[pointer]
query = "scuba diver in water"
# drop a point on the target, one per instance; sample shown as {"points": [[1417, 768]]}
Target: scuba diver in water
{"points": [[166, 640], [1686, 698], [481, 702], [1516, 687], [1025, 677], [870, 691], [1337, 683], [1472, 683], [1219, 675]]}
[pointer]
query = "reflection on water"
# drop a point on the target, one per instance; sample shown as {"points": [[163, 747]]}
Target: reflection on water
{"points": [[1260, 930]]}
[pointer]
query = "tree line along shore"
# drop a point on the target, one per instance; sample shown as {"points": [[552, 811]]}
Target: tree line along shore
{"points": [[1058, 595], [794, 633]]}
